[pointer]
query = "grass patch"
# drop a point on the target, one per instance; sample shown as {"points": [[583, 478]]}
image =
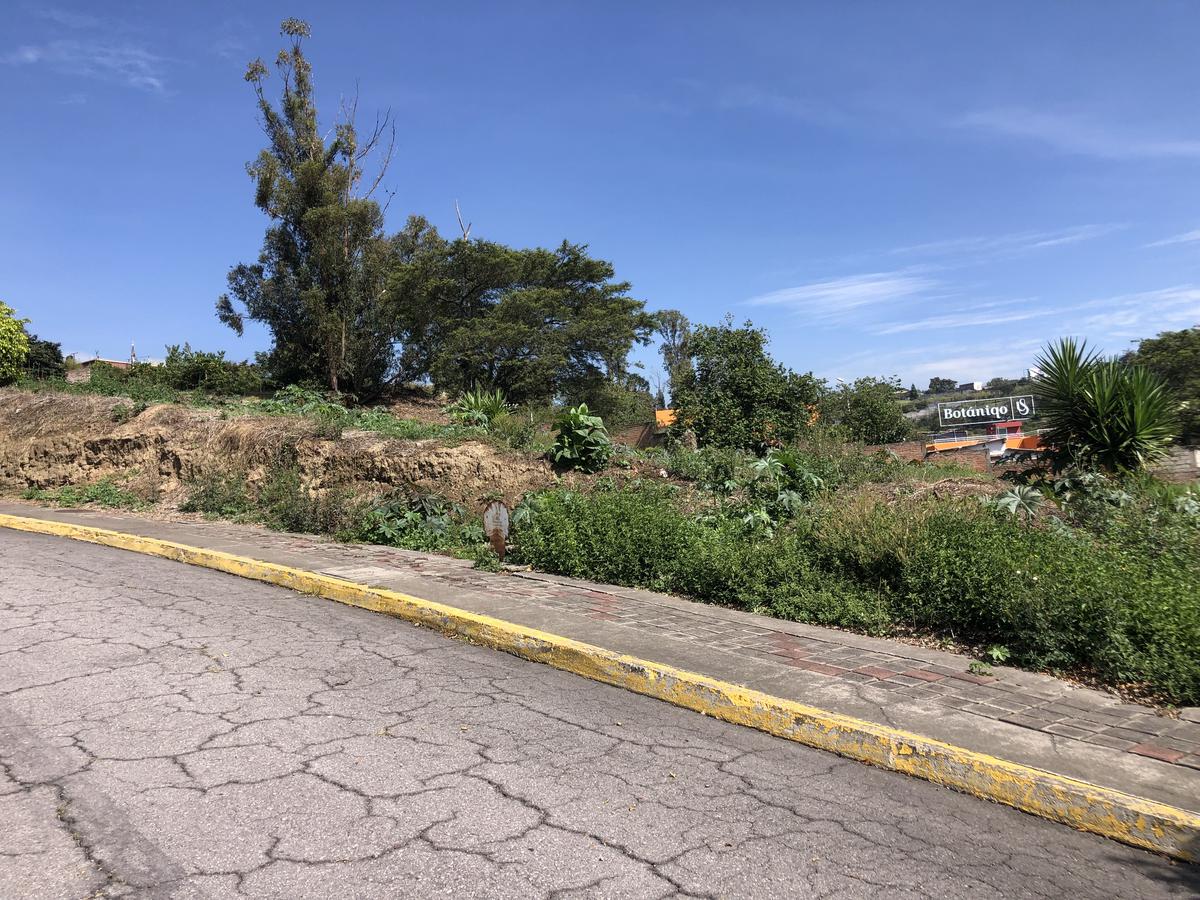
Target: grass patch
{"points": [[104, 492]]}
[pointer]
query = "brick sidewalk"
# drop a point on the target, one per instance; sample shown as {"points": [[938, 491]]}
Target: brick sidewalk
{"points": [[1035, 719]]}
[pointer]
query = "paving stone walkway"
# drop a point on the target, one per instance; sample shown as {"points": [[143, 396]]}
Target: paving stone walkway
{"points": [[1025, 717]]}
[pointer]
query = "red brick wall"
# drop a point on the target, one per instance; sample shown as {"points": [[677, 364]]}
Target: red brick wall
{"points": [[910, 451], [637, 436]]}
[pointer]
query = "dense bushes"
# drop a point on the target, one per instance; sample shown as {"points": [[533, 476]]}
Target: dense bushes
{"points": [[403, 518], [1053, 597], [186, 369], [639, 535], [733, 394]]}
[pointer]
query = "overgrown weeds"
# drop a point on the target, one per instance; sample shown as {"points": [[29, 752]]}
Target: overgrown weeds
{"points": [[1115, 597], [105, 492], [408, 518]]}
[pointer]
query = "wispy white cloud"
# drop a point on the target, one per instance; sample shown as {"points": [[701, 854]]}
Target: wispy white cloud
{"points": [[1188, 237], [1139, 315], [980, 316], [1004, 244], [833, 299], [969, 366], [763, 100], [1076, 135], [68, 18], [119, 62], [993, 355]]}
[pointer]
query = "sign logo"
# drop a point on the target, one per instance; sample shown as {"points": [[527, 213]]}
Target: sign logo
{"points": [[985, 412]]}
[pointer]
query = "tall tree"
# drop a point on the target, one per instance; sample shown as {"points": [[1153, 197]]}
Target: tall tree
{"points": [[673, 329], [45, 359], [320, 277], [14, 344], [736, 395], [538, 324], [941, 385], [868, 410], [1175, 357]]}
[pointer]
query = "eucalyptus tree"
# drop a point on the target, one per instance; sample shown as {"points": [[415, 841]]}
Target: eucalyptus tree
{"points": [[319, 283]]}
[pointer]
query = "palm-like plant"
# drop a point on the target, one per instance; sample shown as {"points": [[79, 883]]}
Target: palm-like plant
{"points": [[1101, 411], [479, 407]]}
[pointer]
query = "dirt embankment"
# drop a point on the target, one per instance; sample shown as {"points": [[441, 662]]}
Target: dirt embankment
{"points": [[48, 440]]}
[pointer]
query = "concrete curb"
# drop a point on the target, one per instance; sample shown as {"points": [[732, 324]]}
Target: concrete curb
{"points": [[1122, 817]]}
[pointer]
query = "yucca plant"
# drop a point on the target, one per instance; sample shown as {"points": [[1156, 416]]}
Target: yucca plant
{"points": [[1101, 412], [479, 407]]}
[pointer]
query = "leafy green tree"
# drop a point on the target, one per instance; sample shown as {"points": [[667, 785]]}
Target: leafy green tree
{"points": [[1101, 412], [942, 385], [45, 359], [913, 393], [537, 324], [673, 329], [868, 410], [1175, 357], [736, 395], [14, 344], [319, 279]]}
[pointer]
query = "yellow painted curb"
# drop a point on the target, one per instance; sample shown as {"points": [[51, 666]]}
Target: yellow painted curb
{"points": [[1088, 807]]}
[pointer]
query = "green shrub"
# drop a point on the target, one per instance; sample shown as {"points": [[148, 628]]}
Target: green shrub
{"points": [[734, 394], [140, 382], [638, 535], [716, 469], [418, 521], [582, 441], [186, 369], [479, 407], [220, 495], [287, 505], [122, 413], [518, 430], [331, 418]]}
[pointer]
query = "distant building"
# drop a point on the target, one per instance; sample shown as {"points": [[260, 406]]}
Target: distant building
{"points": [[647, 435], [971, 386], [82, 370]]}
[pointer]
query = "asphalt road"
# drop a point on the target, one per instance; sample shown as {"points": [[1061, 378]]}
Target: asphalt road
{"points": [[168, 731]]}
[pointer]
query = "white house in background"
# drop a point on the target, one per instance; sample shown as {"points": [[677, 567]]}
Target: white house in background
{"points": [[970, 386]]}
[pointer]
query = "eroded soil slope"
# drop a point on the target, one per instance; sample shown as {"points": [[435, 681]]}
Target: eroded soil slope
{"points": [[48, 440]]}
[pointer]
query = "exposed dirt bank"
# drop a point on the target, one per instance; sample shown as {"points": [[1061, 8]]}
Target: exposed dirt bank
{"points": [[48, 440]]}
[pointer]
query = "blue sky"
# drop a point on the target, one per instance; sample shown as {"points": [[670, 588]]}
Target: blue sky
{"points": [[890, 189]]}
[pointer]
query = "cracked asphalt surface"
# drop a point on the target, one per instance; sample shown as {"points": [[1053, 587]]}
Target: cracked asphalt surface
{"points": [[169, 731]]}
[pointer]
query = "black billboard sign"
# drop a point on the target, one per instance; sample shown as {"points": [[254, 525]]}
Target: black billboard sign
{"points": [[985, 412]]}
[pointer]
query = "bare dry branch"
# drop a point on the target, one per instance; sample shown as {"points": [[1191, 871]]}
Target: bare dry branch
{"points": [[387, 157], [465, 229]]}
